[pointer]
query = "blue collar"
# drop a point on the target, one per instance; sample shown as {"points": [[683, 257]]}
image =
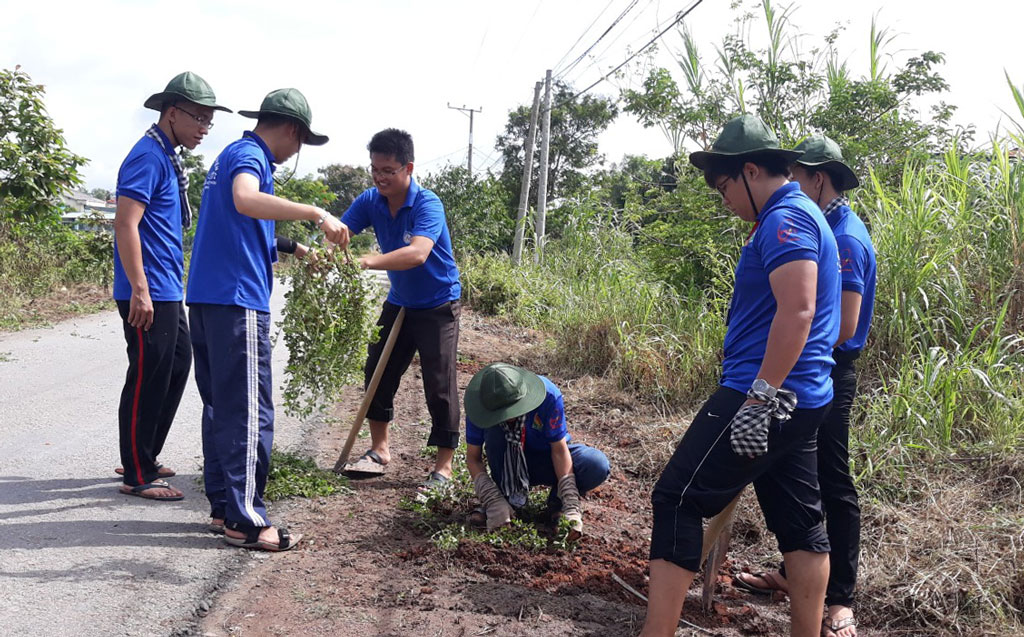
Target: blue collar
{"points": [[783, 191], [263, 145], [410, 196]]}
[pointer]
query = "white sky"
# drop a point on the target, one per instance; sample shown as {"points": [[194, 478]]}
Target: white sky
{"points": [[365, 66]]}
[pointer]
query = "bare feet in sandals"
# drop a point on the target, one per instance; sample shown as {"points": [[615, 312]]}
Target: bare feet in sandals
{"points": [[155, 490], [762, 583], [270, 538], [839, 622]]}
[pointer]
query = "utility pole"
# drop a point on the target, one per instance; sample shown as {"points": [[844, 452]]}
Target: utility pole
{"points": [[524, 190], [469, 160], [542, 180]]}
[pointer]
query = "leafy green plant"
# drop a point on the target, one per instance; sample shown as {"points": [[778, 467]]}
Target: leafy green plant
{"points": [[327, 325], [294, 475]]}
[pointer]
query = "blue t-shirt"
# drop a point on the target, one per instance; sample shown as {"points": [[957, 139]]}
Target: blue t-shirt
{"points": [[857, 261], [147, 176], [434, 282], [790, 227], [233, 255], [544, 425]]}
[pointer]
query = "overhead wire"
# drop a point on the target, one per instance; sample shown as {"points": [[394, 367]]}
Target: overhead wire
{"points": [[598, 57], [614, 23], [679, 18], [585, 32]]}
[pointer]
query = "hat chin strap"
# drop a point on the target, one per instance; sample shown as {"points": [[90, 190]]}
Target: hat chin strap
{"points": [[753, 206]]}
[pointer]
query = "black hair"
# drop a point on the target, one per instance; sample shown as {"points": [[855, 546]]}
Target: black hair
{"points": [[275, 120], [732, 165], [834, 179], [394, 142]]}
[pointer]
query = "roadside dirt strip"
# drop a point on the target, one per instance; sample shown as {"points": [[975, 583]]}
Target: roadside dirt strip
{"points": [[79, 558]]}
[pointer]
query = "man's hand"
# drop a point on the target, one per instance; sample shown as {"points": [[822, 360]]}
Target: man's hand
{"points": [[569, 494], [335, 231], [140, 310], [499, 512]]}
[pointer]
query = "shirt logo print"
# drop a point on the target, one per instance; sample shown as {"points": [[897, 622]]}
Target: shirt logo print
{"points": [[846, 260], [787, 233]]}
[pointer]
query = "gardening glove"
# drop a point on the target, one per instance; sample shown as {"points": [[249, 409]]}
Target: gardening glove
{"points": [[497, 509], [569, 494], [749, 427]]}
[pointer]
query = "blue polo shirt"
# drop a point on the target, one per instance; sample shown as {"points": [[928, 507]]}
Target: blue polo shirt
{"points": [[233, 255], [147, 176], [790, 227], [858, 267], [544, 425], [434, 282]]}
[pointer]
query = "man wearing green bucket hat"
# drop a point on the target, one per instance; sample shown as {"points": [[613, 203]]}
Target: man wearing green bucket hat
{"points": [[519, 418], [152, 212], [824, 177], [229, 286], [761, 424]]}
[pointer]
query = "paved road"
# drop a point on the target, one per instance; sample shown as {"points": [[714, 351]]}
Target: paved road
{"points": [[79, 558]]}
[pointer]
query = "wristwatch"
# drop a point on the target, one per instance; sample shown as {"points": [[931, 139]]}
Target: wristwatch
{"points": [[321, 220], [761, 386]]}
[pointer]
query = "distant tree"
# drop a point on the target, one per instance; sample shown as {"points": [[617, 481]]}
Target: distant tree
{"points": [[102, 194], [35, 164], [479, 219], [576, 123], [346, 182]]}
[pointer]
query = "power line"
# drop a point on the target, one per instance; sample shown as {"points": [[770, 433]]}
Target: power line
{"points": [[586, 31], [598, 57], [614, 23], [678, 19]]}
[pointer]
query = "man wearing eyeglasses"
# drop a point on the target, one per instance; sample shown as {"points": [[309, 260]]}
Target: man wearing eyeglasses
{"points": [[152, 212], [229, 285], [416, 251]]}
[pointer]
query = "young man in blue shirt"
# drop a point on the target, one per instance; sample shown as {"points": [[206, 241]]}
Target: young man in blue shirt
{"points": [[229, 286], [416, 251], [519, 417], [824, 177], [761, 424], [152, 211]]}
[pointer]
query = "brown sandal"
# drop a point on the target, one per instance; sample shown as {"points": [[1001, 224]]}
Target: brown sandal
{"points": [[774, 582]]}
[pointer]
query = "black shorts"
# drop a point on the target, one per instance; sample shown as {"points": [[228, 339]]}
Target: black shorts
{"points": [[704, 475]]}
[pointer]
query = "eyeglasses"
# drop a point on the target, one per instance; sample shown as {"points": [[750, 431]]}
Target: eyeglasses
{"points": [[202, 120], [720, 186], [385, 172]]}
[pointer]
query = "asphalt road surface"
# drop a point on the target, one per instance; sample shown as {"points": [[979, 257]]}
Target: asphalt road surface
{"points": [[79, 558]]}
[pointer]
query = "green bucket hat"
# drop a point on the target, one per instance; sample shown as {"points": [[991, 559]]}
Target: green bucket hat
{"points": [[501, 391], [291, 103], [185, 86], [821, 152], [743, 136]]}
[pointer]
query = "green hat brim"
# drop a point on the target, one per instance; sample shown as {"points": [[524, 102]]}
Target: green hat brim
{"points": [[848, 180], [157, 101], [314, 139], [485, 418], [701, 158]]}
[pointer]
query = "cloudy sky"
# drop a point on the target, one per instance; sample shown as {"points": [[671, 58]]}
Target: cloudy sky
{"points": [[365, 66]]}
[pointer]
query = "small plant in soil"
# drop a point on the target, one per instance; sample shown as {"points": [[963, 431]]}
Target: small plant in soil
{"points": [[294, 475]]}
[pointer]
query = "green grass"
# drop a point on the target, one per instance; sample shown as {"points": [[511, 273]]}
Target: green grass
{"points": [[293, 475]]}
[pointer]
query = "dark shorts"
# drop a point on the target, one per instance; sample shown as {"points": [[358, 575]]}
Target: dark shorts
{"points": [[704, 475]]}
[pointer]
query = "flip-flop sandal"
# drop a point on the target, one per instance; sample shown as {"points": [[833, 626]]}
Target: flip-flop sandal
{"points": [[162, 471], [141, 491], [434, 481], [216, 529], [770, 578], [286, 541], [828, 624], [370, 463]]}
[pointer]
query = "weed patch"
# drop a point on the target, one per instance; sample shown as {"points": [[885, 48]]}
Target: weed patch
{"points": [[293, 475]]}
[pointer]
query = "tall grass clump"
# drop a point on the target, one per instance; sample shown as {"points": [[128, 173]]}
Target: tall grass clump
{"points": [[944, 364], [607, 314]]}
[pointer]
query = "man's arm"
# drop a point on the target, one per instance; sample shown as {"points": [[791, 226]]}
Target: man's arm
{"points": [[407, 258], [794, 286], [245, 191], [129, 249], [561, 458], [850, 315], [475, 460]]}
